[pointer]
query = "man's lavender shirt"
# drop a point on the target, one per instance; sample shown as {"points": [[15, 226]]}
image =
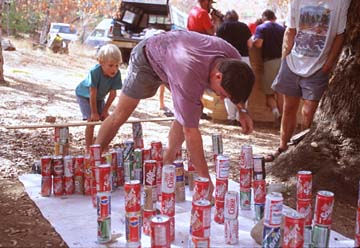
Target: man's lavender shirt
{"points": [[183, 60]]}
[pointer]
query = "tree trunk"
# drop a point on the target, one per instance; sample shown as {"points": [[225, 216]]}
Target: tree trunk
{"points": [[2, 80], [332, 148]]}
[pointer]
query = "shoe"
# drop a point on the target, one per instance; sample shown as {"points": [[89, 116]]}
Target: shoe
{"points": [[205, 116], [273, 156], [166, 111], [235, 123]]}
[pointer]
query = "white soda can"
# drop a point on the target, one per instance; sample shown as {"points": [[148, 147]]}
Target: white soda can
{"points": [[246, 157], [222, 167], [168, 179], [231, 208], [231, 231]]}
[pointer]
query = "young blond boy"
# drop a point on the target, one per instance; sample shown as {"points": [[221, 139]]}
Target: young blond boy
{"points": [[103, 79]]}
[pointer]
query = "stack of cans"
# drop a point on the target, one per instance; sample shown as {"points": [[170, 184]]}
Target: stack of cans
{"points": [[157, 155], [168, 198], [137, 135], [201, 188], [259, 167], [231, 211], [304, 201], [246, 167], [133, 216], [87, 175], [217, 145], [272, 220], [200, 224], [221, 187], [79, 175], [259, 187], [68, 175], [128, 157], [191, 174], [357, 230], [120, 166], [95, 160], [322, 219], [293, 229], [149, 194], [138, 165], [180, 181], [58, 175], [61, 141], [110, 158], [103, 202], [160, 231], [46, 175]]}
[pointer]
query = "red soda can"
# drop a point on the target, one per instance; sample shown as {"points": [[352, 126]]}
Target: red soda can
{"points": [[69, 186], [156, 150], [103, 204], [219, 212], [294, 224], [58, 186], [172, 228], [160, 231], [231, 231], [132, 196], [168, 179], [150, 172], [323, 208], [231, 207], [68, 166], [102, 178], [222, 167], [200, 219], [246, 157], [199, 242], [168, 204], [79, 166], [46, 185], [220, 189], [147, 216], [87, 185], [146, 154], [79, 185], [191, 166], [304, 185], [304, 207], [133, 222], [201, 188], [120, 176], [259, 191], [273, 210], [57, 134], [245, 178], [159, 165], [58, 166], [95, 152], [87, 166], [46, 166]]}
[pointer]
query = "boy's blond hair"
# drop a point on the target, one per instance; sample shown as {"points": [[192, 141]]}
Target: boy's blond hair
{"points": [[109, 52]]}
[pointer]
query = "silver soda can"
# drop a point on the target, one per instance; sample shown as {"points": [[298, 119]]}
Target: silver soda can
{"points": [[259, 167], [104, 230], [246, 157], [231, 208], [217, 143], [320, 236], [222, 167], [231, 231], [273, 209], [168, 179], [245, 199]]}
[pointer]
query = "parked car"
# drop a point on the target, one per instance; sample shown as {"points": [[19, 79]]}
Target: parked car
{"points": [[99, 36], [66, 31], [7, 45]]}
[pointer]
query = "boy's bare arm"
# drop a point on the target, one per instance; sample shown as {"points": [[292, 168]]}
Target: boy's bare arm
{"points": [[93, 106], [110, 99]]}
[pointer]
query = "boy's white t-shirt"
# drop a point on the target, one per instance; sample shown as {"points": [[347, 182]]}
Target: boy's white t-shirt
{"points": [[317, 23]]}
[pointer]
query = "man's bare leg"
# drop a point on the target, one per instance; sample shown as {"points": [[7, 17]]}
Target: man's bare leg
{"points": [[89, 136], [111, 125], [308, 111], [288, 122], [161, 97], [175, 140]]}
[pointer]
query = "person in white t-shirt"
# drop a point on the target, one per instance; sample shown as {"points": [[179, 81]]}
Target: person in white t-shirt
{"points": [[312, 43]]}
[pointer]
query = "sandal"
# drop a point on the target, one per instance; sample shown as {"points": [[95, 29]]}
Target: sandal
{"points": [[166, 111], [272, 157]]}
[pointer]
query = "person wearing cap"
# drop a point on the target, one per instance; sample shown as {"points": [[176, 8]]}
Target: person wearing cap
{"points": [[187, 63], [199, 19]]}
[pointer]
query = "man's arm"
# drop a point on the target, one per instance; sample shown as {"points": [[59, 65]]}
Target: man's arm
{"points": [[334, 52], [93, 105], [109, 101], [288, 41], [247, 124], [258, 43]]}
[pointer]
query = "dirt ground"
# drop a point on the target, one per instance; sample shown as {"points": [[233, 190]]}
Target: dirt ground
{"points": [[42, 84]]}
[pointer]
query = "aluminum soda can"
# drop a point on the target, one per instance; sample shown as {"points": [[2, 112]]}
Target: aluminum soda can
{"points": [[323, 208], [217, 143], [138, 162], [147, 216], [245, 199], [119, 157], [245, 179], [219, 212], [87, 166], [179, 169], [304, 185], [138, 174], [159, 165], [231, 231], [120, 176], [160, 231], [191, 177], [168, 179], [150, 172], [294, 224], [69, 186], [58, 186], [102, 178], [191, 166], [307, 236], [273, 209], [221, 188], [68, 166], [128, 150], [146, 154], [46, 166], [103, 204], [95, 152], [46, 185], [168, 204], [132, 196], [259, 167], [64, 135], [137, 130], [201, 188], [172, 228], [56, 137], [156, 150], [259, 211], [196, 242], [128, 170], [79, 165], [246, 157], [304, 207], [320, 236], [259, 187], [180, 191], [87, 185], [200, 219], [58, 166], [271, 237], [79, 185], [133, 223], [149, 197], [222, 166], [231, 207], [104, 230]]}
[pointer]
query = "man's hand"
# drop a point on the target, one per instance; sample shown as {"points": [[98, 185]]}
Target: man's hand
{"points": [[247, 125], [104, 115], [94, 117]]}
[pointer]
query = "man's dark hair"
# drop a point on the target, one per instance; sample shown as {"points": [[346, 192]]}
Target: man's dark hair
{"points": [[268, 15], [237, 79]]}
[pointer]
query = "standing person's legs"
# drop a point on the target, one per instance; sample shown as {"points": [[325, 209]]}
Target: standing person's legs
{"points": [[271, 68], [308, 110], [289, 120], [161, 97], [175, 140]]}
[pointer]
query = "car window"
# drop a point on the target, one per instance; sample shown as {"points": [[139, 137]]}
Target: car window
{"points": [[98, 33]]}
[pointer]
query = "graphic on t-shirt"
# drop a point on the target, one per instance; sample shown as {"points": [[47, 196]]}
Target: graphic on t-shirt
{"points": [[313, 27]]}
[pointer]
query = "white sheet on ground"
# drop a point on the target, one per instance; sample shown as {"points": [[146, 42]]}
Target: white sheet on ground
{"points": [[75, 219]]}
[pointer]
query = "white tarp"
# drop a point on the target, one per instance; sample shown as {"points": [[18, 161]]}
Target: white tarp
{"points": [[75, 219]]}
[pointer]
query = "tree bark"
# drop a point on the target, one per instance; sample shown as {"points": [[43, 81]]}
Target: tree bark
{"points": [[332, 148], [2, 80]]}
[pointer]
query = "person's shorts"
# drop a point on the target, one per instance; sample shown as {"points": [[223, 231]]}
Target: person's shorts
{"points": [[85, 109], [271, 68], [309, 88], [141, 81]]}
